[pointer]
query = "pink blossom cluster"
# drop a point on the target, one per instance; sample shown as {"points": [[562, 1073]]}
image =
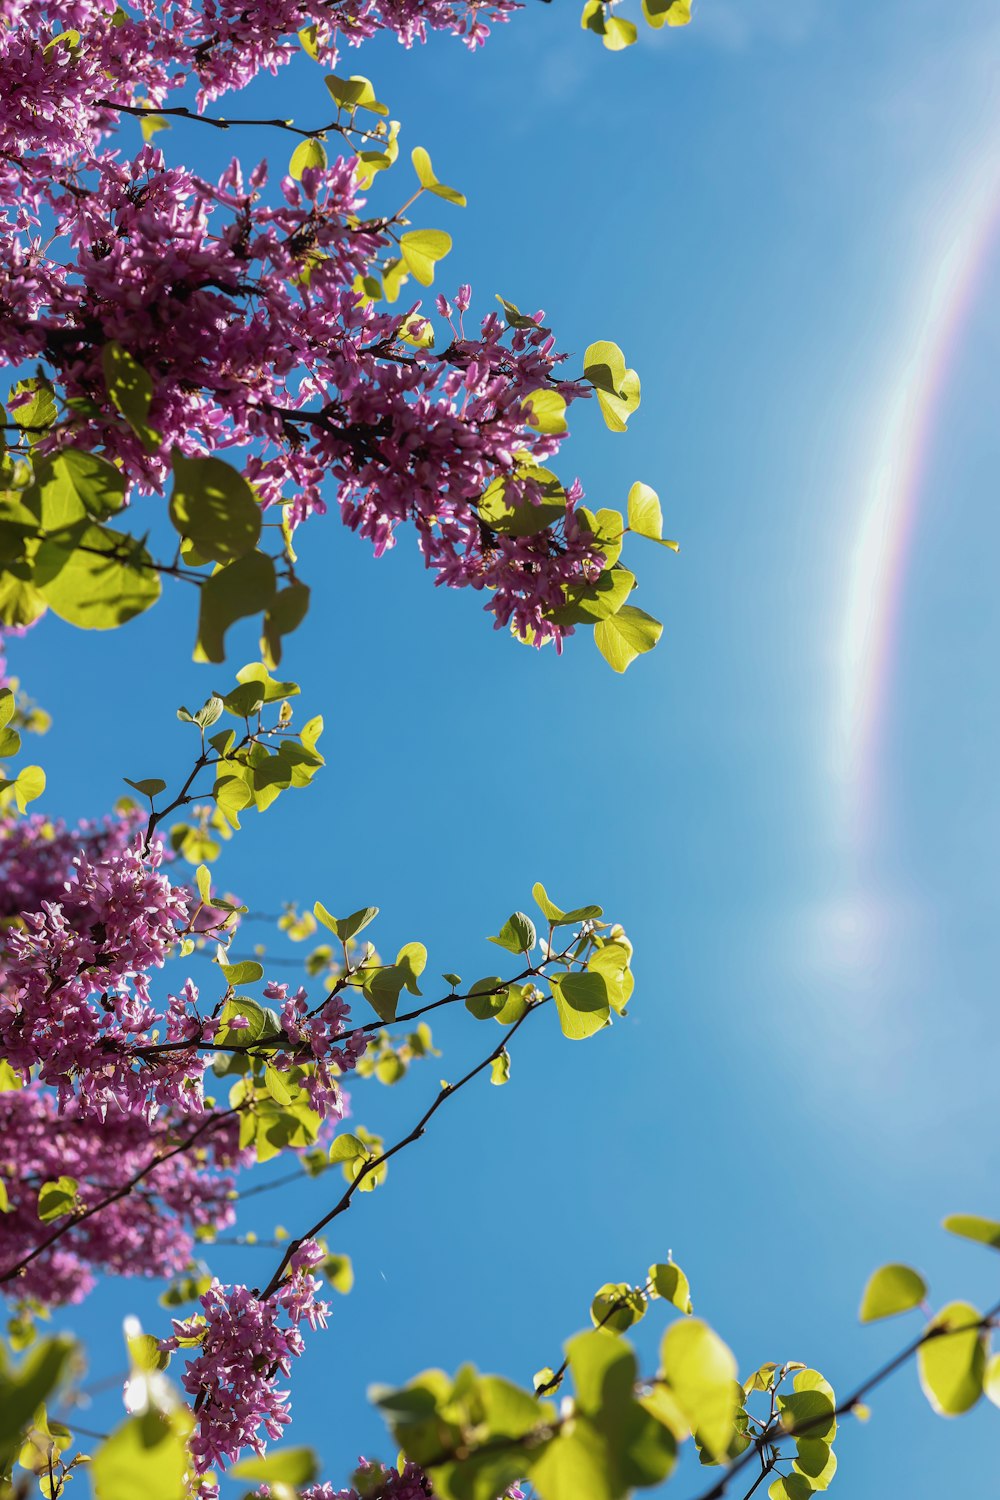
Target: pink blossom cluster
{"points": [[151, 48], [68, 67], [318, 1033], [146, 1232], [318, 386], [241, 304], [75, 999], [245, 1343], [37, 853]]}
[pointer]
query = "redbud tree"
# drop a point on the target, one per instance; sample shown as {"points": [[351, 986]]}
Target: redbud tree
{"points": [[200, 372]]}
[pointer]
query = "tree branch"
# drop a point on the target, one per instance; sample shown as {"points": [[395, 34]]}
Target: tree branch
{"points": [[775, 1433], [219, 122], [73, 1221], [372, 1165]]}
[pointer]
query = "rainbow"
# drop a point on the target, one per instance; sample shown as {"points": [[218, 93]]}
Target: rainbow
{"points": [[884, 533]]}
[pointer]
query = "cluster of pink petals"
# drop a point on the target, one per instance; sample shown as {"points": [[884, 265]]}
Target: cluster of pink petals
{"points": [[246, 1343], [149, 1232], [317, 1036], [75, 999], [240, 303], [37, 853], [61, 96]]}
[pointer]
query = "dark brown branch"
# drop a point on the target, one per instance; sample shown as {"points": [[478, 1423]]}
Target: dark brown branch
{"points": [[179, 112]]}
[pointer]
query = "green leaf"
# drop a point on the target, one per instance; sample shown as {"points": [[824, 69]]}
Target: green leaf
{"points": [[582, 1003], [701, 1371], [991, 1379], [617, 387], [668, 1281], [394, 277], [514, 316], [203, 881], [307, 154], [57, 1198], [505, 509], [645, 516], [210, 712], [247, 972], [545, 411], [29, 784], [355, 92], [382, 989], [619, 34], [71, 485], [790, 1487], [292, 1466], [150, 122], [95, 577], [971, 1227], [347, 1147], [20, 601], [811, 1407], [38, 411], [559, 918], [514, 1004], [421, 249], [607, 528], [626, 635], [346, 927], [286, 613], [213, 506], [425, 173], [816, 1461], [276, 1086], [890, 1290], [612, 963], [592, 18], [243, 587], [146, 1459], [500, 1067], [617, 1306], [517, 934], [666, 12], [411, 960], [627, 1446], [487, 997], [255, 674], [7, 707], [152, 786], [339, 1272], [259, 1022], [232, 795], [588, 603], [26, 1386], [952, 1366], [129, 386]]}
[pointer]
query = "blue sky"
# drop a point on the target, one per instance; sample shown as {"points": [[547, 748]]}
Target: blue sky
{"points": [[751, 209]]}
